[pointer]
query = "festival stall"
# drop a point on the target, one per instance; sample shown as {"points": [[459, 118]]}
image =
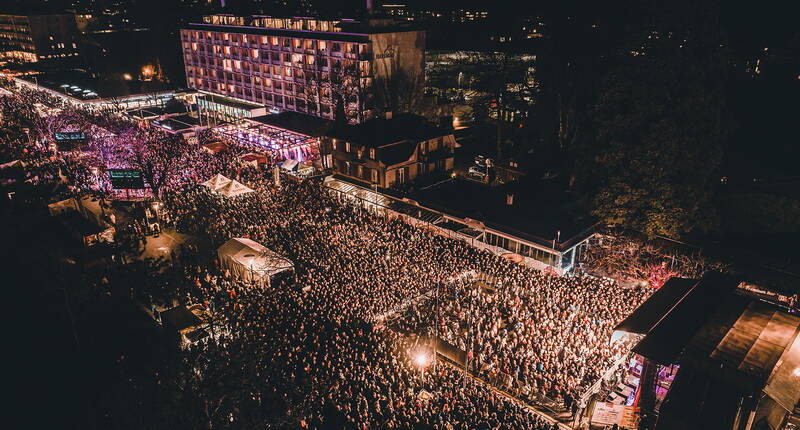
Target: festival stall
{"points": [[234, 188], [216, 183], [252, 261]]}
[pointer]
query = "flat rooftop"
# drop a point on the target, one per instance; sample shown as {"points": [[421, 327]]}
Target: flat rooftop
{"points": [[296, 122], [536, 215], [178, 122], [87, 87]]}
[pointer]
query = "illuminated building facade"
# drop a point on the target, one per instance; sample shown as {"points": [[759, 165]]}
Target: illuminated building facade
{"points": [[389, 152], [35, 38], [307, 65]]}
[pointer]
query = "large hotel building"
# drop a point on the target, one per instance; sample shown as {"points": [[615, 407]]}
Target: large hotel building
{"points": [[305, 65]]}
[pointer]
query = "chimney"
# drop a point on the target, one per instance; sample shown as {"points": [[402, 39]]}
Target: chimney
{"points": [[510, 199], [388, 114]]}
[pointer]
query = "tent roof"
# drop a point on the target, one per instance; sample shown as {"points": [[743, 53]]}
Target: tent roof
{"points": [[289, 164], [216, 182], [264, 260], [754, 345], [649, 313], [180, 318], [215, 147], [12, 164], [675, 327], [234, 188]]}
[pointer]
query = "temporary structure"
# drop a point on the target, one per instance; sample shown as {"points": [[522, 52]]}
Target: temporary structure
{"points": [[289, 164], [234, 188], [251, 260], [217, 182]]}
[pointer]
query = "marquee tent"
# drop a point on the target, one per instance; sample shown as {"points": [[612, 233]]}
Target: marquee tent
{"points": [[10, 164], [217, 182], [234, 188], [252, 261]]}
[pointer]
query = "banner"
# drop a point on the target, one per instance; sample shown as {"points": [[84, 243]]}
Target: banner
{"points": [[608, 414], [126, 179]]}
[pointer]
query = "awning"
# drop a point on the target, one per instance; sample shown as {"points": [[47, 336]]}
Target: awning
{"points": [[649, 313], [217, 182], [289, 164], [672, 331], [234, 188], [180, 318]]}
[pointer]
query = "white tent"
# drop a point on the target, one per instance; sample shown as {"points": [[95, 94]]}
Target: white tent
{"points": [[251, 261], [289, 164], [11, 164], [217, 182], [234, 188]]}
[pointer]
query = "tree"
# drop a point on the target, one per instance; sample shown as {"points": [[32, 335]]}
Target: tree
{"points": [[159, 156], [398, 91], [342, 85], [661, 121]]}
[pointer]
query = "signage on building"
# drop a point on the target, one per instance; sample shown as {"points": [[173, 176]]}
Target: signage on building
{"points": [[70, 136], [387, 53], [609, 414], [126, 179], [68, 141]]}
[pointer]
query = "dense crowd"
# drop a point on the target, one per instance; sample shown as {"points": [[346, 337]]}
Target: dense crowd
{"points": [[551, 334], [542, 335], [310, 352]]}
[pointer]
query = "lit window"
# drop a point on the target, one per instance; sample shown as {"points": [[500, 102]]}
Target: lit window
{"points": [[372, 153], [347, 147]]}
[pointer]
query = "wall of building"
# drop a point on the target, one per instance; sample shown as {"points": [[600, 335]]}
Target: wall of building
{"points": [[398, 71], [276, 71], [38, 37], [55, 36], [386, 70]]}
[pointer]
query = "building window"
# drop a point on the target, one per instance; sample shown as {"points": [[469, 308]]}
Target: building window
{"points": [[333, 144], [374, 174], [347, 147], [372, 153]]}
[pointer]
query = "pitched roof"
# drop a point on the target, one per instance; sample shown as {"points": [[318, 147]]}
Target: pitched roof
{"points": [[296, 122], [380, 131], [179, 318], [396, 154]]}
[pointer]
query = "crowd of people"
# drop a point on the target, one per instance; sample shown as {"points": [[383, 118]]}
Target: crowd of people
{"points": [[311, 352], [540, 334], [551, 334]]}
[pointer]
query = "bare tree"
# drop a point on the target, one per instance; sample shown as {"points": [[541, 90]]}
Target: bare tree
{"points": [[159, 156]]}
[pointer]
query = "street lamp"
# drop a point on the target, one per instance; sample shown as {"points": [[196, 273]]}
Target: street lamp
{"points": [[421, 359]]}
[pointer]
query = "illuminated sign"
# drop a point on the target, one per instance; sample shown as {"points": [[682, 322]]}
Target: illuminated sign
{"points": [[68, 141], [70, 137], [126, 179]]}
